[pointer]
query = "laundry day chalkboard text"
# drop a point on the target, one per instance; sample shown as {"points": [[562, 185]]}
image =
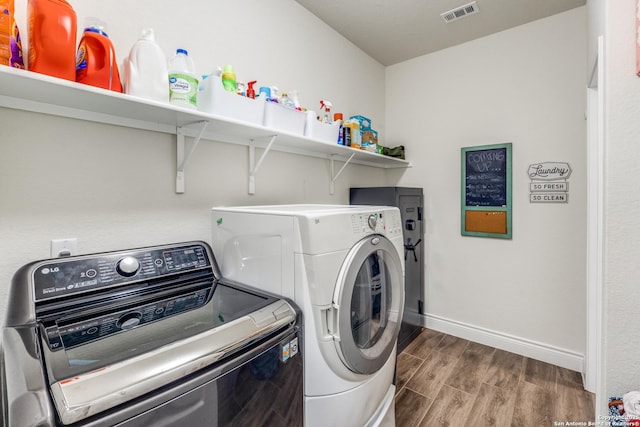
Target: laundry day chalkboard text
{"points": [[486, 191], [486, 177]]}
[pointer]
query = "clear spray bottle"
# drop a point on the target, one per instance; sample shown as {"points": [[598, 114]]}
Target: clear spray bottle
{"points": [[325, 107]]}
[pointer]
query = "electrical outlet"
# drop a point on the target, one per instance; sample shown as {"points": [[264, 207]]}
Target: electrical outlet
{"points": [[64, 247]]}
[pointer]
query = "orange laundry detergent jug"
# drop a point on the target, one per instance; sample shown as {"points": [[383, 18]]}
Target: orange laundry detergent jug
{"points": [[52, 26], [6, 16], [10, 45], [96, 63]]}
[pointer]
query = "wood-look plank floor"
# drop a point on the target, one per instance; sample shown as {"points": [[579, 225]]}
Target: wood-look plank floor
{"points": [[443, 380]]}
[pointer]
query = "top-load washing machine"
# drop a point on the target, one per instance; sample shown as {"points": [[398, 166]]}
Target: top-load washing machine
{"points": [[343, 266], [145, 337]]}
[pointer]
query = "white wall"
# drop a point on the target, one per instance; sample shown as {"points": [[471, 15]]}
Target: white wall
{"points": [[622, 201], [113, 188], [526, 86], [596, 28]]}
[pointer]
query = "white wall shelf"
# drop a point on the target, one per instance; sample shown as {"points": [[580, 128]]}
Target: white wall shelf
{"points": [[28, 91]]}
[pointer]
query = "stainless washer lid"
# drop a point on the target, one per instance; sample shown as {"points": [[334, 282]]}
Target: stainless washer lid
{"points": [[87, 394]]}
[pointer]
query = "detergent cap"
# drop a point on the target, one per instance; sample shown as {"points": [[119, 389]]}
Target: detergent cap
{"points": [[96, 25], [147, 34]]}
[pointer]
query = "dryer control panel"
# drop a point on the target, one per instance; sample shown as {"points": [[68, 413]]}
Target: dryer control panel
{"points": [[382, 222]]}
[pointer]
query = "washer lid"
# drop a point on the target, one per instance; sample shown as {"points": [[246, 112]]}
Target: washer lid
{"points": [[86, 380], [370, 299]]}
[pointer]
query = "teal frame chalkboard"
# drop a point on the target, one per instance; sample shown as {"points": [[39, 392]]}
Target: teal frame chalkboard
{"points": [[486, 191]]}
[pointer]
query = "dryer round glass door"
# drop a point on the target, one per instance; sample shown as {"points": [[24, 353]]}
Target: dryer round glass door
{"points": [[370, 294]]}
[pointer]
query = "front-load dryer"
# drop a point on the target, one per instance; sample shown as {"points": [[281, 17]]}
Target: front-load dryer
{"points": [[343, 266]]}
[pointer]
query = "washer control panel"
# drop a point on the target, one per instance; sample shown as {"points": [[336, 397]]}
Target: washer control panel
{"points": [[63, 277]]}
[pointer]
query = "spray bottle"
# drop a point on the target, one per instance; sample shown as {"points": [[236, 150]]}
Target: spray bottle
{"points": [[276, 94], [240, 88], [251, 93], [264, 93], [293, 95], [287, 102], [325, 107]]}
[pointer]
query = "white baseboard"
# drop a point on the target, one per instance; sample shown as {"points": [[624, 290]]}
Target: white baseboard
{"points": [[534, 350]]}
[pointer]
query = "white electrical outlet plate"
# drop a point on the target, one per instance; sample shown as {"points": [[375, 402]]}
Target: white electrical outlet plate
{"points": [[64, 247]]}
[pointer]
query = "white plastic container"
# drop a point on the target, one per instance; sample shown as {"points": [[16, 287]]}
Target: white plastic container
{"points": [[284, 119], [215, 99], [183, 81], [325, 132], [145, 69]]}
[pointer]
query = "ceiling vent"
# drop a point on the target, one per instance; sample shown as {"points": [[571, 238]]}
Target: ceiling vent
{"points": [[460, 12]]}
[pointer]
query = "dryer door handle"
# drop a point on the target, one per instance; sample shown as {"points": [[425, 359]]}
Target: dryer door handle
{"points": [[330, 323]]}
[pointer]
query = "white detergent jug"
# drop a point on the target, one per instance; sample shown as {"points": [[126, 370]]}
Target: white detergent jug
{"points": [[145, 69]]}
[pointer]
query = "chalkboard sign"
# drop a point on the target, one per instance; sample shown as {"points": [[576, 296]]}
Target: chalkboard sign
{"points": [[486, 177], [486, 191]]}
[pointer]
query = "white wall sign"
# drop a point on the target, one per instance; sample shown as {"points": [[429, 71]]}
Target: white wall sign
{"points": [[549, 197], [549, 171], [549, 182], [549, 186]]}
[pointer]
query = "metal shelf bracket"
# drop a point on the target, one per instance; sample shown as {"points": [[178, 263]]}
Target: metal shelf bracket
{"points": [[253, 165], [181, 159], [334, 176]]}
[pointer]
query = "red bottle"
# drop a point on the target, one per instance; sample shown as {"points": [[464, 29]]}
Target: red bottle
{"points": [[96, 63]]}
